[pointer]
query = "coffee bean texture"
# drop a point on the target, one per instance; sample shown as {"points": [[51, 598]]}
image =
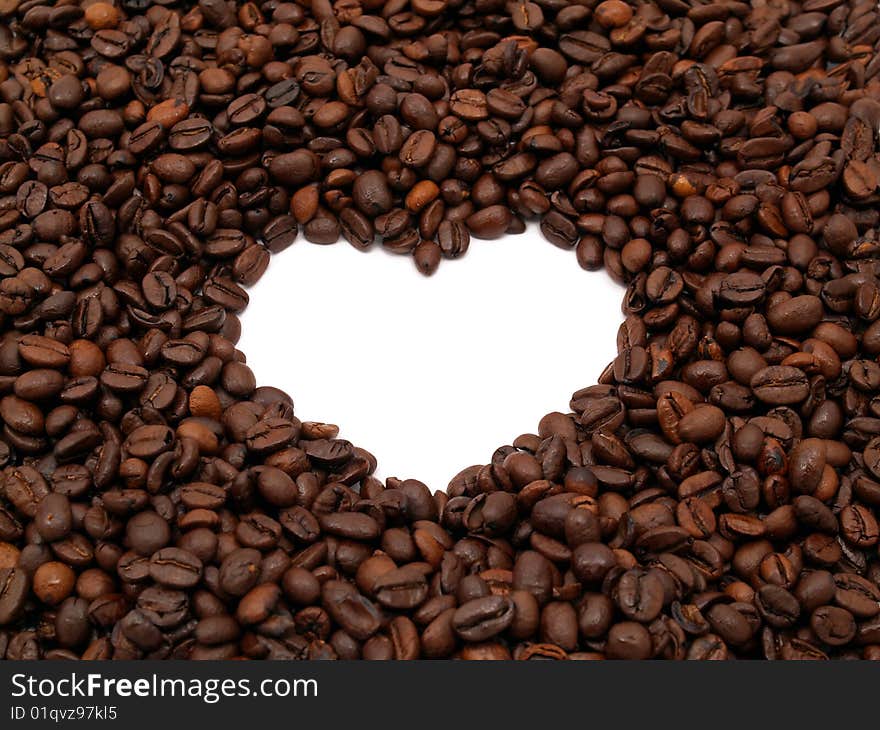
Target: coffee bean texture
{"points": [[713, 496]]}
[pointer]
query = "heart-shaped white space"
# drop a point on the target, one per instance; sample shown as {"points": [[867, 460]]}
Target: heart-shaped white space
{"points": [[431, 375]]}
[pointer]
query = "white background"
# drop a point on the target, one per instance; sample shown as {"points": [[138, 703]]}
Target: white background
{"points": [[431, 374]]}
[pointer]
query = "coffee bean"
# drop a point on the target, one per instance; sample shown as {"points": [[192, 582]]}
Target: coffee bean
{"points": [[401, 589], [559, 230], [240, 571], [483, 618], [14, 588], [53, 582], [147, 533], [41, 351], [372, 194], [257, 605], [780, 385], [491, 222], [453, 238], [54, 518], [857, 595], [175, 568], [351, 525], [777, 606], [628, 640], [356, 614], [639, 595], [834, 626]]}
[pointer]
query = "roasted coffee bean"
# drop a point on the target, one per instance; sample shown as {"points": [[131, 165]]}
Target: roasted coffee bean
{"points": [[240, 571], [175, 568], [834, 626], [53, 582], [628, 640], [14, 589], [54, 518], [491, 222], [639, 595], [401, 589], [483, 618], [780, 385]]}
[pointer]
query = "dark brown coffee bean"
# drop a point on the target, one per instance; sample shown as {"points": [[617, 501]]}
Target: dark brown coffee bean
{"points": [[834, 626], [240, 571], [491, 222], [628, 640], [14, 588], [401, 589], [483, 618], [175, 568], [54, 519], [780, 385]]}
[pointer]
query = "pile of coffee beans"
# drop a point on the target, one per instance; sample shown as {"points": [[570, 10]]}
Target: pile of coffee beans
{"points": [[713, 496]]}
